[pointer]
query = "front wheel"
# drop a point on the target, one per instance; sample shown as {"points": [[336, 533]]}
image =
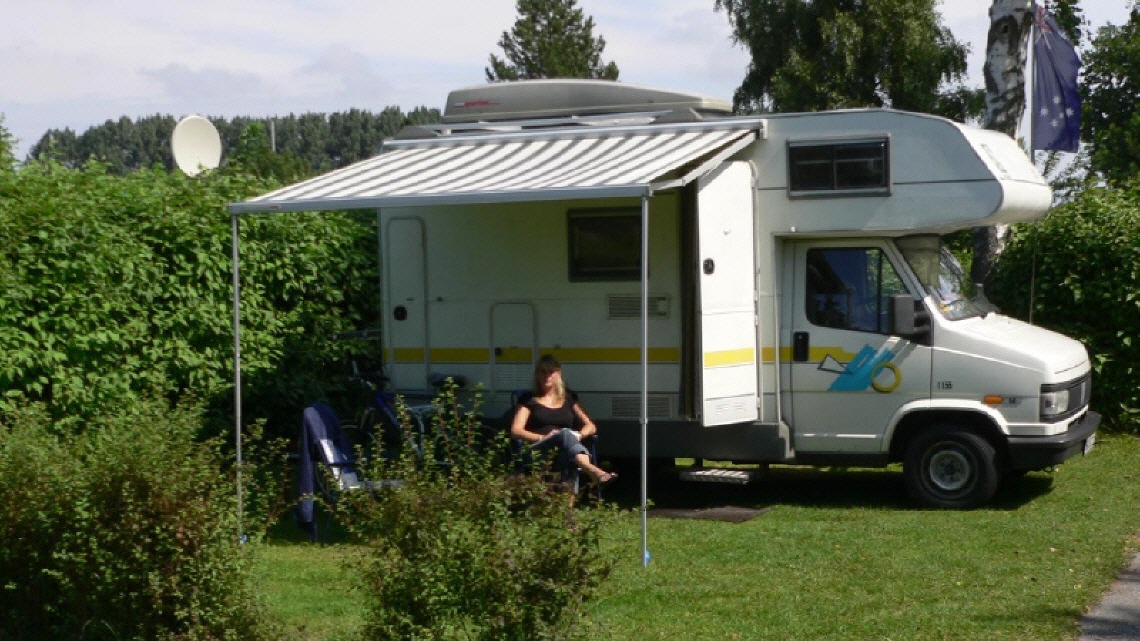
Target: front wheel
{"points": [[950, 467]]}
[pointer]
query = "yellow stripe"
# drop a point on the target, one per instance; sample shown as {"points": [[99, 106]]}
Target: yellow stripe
{"points": [[525, 355], [613, 354], [515, 355], [815, 354], [610, 355], [468, 355], [726, 357], [408, 355]]}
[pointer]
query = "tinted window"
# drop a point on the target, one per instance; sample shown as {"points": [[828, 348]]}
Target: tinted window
{"points": [[605, 244], [850, 288], [839, 166]]}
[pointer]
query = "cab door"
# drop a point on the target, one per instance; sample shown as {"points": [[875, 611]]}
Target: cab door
{"points": [[849, 375]]}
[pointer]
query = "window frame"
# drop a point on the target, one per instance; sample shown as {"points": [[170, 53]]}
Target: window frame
{"points": [[577, 221], [882, 309], [835, 145]]}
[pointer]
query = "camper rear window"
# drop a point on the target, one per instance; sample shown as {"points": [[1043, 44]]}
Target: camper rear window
{"points": [[850, 167], [605, 244]]}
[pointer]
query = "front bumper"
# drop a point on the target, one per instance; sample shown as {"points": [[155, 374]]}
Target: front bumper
{"points": [[1037, 452]]}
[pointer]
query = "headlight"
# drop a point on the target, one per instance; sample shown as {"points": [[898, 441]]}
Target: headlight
{"points": [[1054, 403], [1059, 401]]}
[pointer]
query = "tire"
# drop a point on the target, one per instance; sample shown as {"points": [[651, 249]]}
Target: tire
{"points": [[951, 467]]}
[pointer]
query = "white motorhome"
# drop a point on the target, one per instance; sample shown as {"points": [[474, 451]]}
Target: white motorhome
{"points": [[799, 306]]}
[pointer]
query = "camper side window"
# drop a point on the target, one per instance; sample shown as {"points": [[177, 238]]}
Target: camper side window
{"points": [[850, 288], [604, 244], [853, 167]]}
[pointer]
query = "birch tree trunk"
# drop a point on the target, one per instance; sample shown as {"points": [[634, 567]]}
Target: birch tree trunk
{"points": [[1006, 47]]}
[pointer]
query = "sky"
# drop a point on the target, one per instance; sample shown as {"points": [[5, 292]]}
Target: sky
{"points": [[79, 63]]}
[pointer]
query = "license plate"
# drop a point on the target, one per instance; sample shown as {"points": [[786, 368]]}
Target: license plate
{"points": [[1089, 443]]}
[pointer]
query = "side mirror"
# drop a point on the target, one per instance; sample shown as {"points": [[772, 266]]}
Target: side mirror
{"points": [[909, 318]]}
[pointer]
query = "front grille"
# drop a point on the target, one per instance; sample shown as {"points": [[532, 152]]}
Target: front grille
{"points": [[1083, 391]]}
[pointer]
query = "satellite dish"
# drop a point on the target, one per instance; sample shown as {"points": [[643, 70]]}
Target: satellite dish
{"points": [[196, 145]]}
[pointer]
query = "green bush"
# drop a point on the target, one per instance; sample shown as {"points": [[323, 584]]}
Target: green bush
{"points": [[126, 531], [1084, 262], [460, 549], [118, 285]]}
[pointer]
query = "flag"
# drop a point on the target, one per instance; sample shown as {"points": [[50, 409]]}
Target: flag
{"points": [[1056, 105]]}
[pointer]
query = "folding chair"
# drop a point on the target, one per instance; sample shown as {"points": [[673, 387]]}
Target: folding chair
{"points": [[323, 443], [523, 455]]}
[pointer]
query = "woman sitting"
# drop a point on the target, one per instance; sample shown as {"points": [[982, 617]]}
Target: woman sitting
{"points": [[547, 419]]}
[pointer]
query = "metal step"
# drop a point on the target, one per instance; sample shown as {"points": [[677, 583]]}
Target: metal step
{"points": [[719, 475]]}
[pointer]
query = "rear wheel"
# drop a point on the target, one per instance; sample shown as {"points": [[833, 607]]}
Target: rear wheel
{"points": [[951, 467]]}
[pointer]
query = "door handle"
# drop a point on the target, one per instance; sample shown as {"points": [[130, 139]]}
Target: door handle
{"points": [[801, 346]]}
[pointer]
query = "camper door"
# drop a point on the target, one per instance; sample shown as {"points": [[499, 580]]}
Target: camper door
{"points": [[407, 323], [727, 299]]}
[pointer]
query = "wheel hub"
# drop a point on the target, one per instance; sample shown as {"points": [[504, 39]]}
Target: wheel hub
{"points": [[949, 470]]}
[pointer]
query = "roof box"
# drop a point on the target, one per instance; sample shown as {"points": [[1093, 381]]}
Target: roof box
{"points": [[561, 98]]}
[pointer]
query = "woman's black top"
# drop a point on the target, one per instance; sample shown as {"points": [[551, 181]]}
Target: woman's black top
{"points": [[544, 420]]}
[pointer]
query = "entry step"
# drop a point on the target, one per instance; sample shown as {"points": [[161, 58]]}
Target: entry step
{"points": [[720, 475]]}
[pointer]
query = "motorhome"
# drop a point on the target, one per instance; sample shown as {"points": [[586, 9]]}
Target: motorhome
{"points": [[776, 283]]}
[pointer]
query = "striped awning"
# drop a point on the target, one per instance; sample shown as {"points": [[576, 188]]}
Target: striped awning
{"points": [[556, 164]]}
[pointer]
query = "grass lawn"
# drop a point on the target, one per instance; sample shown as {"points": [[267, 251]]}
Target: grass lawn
{"points": [[841, 554]]}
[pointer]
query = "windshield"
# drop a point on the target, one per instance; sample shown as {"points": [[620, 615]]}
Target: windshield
{"points": [[942, 277]]}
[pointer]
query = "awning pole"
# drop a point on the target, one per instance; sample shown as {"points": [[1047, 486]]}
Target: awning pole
{"points": [[644, 379], [237, 374]]}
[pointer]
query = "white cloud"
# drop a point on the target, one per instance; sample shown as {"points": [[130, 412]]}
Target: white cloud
{"points": [[77, 64], [684, 46]]}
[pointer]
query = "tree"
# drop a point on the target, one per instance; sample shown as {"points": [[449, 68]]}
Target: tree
{"points": [[7, 156], [1071, 17], [1110, 93], [1082, 257], [810, 55], [323, 141], [550, 39], [117, 287], [254, 156], [1006, 45]]}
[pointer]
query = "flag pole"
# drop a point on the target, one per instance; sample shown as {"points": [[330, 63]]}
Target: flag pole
{"points": [[1030, 77]]}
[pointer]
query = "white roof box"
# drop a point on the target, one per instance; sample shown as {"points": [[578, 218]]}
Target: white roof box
{"points": [[527, 99]]}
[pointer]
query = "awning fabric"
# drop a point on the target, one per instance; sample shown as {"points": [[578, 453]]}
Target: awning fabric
{"points": [[556, 164]]}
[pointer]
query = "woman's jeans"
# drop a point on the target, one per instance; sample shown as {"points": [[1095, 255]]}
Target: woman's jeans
{"points": [[569, 447]]}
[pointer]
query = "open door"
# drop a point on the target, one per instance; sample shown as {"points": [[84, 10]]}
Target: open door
{"points": [[726, 281]]}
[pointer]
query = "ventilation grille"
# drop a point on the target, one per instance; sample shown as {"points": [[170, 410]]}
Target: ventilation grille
{"points": [[659, 406], [513, 376], [628, 306]]}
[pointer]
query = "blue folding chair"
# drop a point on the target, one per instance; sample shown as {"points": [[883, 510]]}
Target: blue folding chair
{"points": [[324, 446]]}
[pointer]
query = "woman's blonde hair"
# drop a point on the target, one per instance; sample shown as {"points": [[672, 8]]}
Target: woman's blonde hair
{"points": [[546, 366]]}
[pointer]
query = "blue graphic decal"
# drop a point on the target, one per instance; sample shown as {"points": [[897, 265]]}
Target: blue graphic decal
{"points": [[860, 373]]}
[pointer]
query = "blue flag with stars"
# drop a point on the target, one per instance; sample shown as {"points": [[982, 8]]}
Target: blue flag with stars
{"points": [[1056, 104]]}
